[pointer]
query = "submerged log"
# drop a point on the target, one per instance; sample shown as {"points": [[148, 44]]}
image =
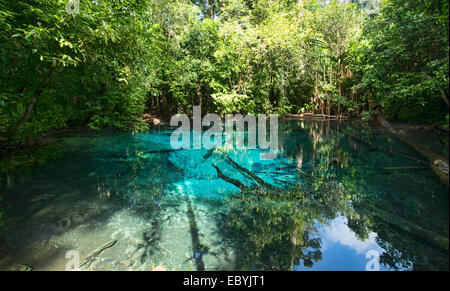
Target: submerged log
{"points": [[395, 169], [286, 167], [175, 167], [208, 154], [286, 182], [385, 149], [247, 172], [436, 240], [235, 182], [20, 267], [89, 259], [438, 164], [162, 151]]}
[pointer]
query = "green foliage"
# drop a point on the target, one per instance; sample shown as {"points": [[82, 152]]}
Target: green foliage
{"points": [[406, 61], [233, 103], [116, 60], [95, 65]]}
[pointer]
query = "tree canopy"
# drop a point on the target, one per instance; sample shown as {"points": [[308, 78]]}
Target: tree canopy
{"points": [[116, 60]]}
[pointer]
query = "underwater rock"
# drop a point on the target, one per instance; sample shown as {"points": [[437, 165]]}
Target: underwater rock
{"points": [[108, 260], [441, 165], [151, 119], [159, 268], [20, 267]]}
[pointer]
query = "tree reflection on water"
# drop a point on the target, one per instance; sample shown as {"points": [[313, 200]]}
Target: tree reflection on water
{"points": [[277, 229]]}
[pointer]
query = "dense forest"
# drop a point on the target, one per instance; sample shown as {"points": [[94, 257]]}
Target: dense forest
{"points": [[117, 60], [84, 168]]}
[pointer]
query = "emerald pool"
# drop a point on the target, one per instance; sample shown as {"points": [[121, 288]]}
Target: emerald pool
{"points": [[331, 200]]}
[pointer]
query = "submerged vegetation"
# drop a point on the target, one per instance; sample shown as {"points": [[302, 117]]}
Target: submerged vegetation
{"points": [[172, 208]]}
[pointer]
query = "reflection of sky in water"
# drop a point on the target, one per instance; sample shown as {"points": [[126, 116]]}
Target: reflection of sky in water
{"points": [[342, 250]]}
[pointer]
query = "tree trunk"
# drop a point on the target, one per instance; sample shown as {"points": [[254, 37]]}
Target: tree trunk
{"points": [[37, 93], [199, 94], [443, 95], [247, 172], [436, 240], [438, 164], [340, 87], [235, 182]]}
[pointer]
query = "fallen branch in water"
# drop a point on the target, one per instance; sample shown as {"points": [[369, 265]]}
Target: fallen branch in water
{"points": [[235, 182], [89, 259], [247, 172], [395, 169], [286, 167], [276, 173], [286, 182], [208, 154], [175, 167], [163, 151], [436, 240], [438, 164], [388, 150]]}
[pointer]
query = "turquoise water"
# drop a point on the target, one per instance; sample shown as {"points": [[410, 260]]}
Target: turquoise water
{"points": [[327, 203]]}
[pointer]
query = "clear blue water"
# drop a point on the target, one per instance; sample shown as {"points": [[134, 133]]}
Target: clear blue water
{"points": [[330, 204]]}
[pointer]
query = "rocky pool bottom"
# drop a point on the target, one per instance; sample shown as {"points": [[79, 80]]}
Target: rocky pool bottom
{"points": [[338, 196]]}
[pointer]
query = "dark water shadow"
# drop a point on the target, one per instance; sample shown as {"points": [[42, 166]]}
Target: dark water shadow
{"points": [[197, 247]]}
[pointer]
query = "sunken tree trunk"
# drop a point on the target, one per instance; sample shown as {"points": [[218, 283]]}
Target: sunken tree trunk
{"points": [[438, 164]]}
